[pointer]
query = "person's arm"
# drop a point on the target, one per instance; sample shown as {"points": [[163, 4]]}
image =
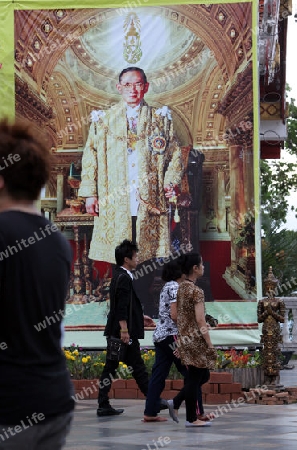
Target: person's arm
{"points": [[173, 311], [173, 174], [172, 294], [123, 297], [148, 321], [88, 185], [200, 319]]}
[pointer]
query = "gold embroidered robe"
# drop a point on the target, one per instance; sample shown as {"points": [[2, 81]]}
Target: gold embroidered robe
{"points": [[105, 175]]}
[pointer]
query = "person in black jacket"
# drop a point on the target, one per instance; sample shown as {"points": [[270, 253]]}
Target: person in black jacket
{"points": [[120, 325]]}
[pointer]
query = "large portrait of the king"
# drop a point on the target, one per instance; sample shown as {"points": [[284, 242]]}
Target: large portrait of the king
{"points": [[178, 175]]}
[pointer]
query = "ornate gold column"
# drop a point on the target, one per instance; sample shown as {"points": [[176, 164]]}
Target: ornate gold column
{"points": [[60, 190], [221, 203], [237, 206]]}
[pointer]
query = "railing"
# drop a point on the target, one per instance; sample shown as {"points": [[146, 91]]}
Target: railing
{"points": [[289, 328]]}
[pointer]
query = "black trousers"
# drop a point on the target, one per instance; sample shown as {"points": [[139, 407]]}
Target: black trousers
{"points": [[136, 367], [195, 379]]}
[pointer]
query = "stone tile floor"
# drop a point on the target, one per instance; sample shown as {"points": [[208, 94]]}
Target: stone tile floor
{"points": [[238, 426]]}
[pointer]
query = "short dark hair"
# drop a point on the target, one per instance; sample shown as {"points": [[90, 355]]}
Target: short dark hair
{"points": [[133, 69], [126, 249], [171, 271], [191, 260], [25, 161]]}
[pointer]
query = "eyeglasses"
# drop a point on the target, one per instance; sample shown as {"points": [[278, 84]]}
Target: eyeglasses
{"points": [[137, 86]]}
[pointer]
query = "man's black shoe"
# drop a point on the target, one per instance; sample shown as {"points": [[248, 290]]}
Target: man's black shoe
{"points": [[109, 411]]}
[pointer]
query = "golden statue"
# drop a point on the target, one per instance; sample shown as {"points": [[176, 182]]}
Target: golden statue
{"points": [[271, 312]]}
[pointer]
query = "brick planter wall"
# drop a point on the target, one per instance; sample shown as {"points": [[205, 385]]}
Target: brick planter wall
{"points": [[219, 389]]}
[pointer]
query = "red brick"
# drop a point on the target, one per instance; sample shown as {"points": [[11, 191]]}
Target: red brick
{"points": [[131, 384], [140, 394], [178, 384], [214, 399], [220, 377], [282, 394], [94, 395], [237, 395], [125, 393], [215, 388], [292, 389], [111, 393], [87, 389], [168, 384], [229, 388], [251, 402], [168, 395], [207, 388], [119, 384], [75, 384]]}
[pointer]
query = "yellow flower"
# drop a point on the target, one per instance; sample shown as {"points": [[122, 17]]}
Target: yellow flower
{"points": [[76, 352], [84, 360], [125, 366]]}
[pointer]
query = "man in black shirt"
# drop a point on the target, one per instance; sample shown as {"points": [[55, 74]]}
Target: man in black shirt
{"points": [[129, 327], [36, 404]]}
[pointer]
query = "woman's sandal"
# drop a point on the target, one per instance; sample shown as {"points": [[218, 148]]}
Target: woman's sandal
{"points": [[154, 419], [206, 417]]}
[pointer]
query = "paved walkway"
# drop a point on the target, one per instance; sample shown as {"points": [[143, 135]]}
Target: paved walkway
{"points": [[236, 427]]}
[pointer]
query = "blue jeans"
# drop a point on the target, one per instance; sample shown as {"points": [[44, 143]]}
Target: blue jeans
{"points": [[163, 360]]}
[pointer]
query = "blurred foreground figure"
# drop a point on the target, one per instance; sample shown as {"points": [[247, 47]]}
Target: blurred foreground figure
{"points": [[36, 406]]}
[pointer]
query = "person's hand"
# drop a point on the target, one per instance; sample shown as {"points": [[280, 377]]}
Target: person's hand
{"points": [[169, 191], [176, 353], [125, 336], [269, 309], [148, 321], [212, 352], [92, 206]]}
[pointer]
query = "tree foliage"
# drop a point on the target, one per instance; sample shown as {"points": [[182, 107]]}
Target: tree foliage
{"points": [[278, 181], [279, 178], [279, 250]]}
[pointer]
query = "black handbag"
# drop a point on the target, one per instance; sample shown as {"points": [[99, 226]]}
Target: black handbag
{"points": [[212, 322], [116, 349]]}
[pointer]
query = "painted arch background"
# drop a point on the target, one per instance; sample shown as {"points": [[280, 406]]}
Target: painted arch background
{"points": [[60, 60]]}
